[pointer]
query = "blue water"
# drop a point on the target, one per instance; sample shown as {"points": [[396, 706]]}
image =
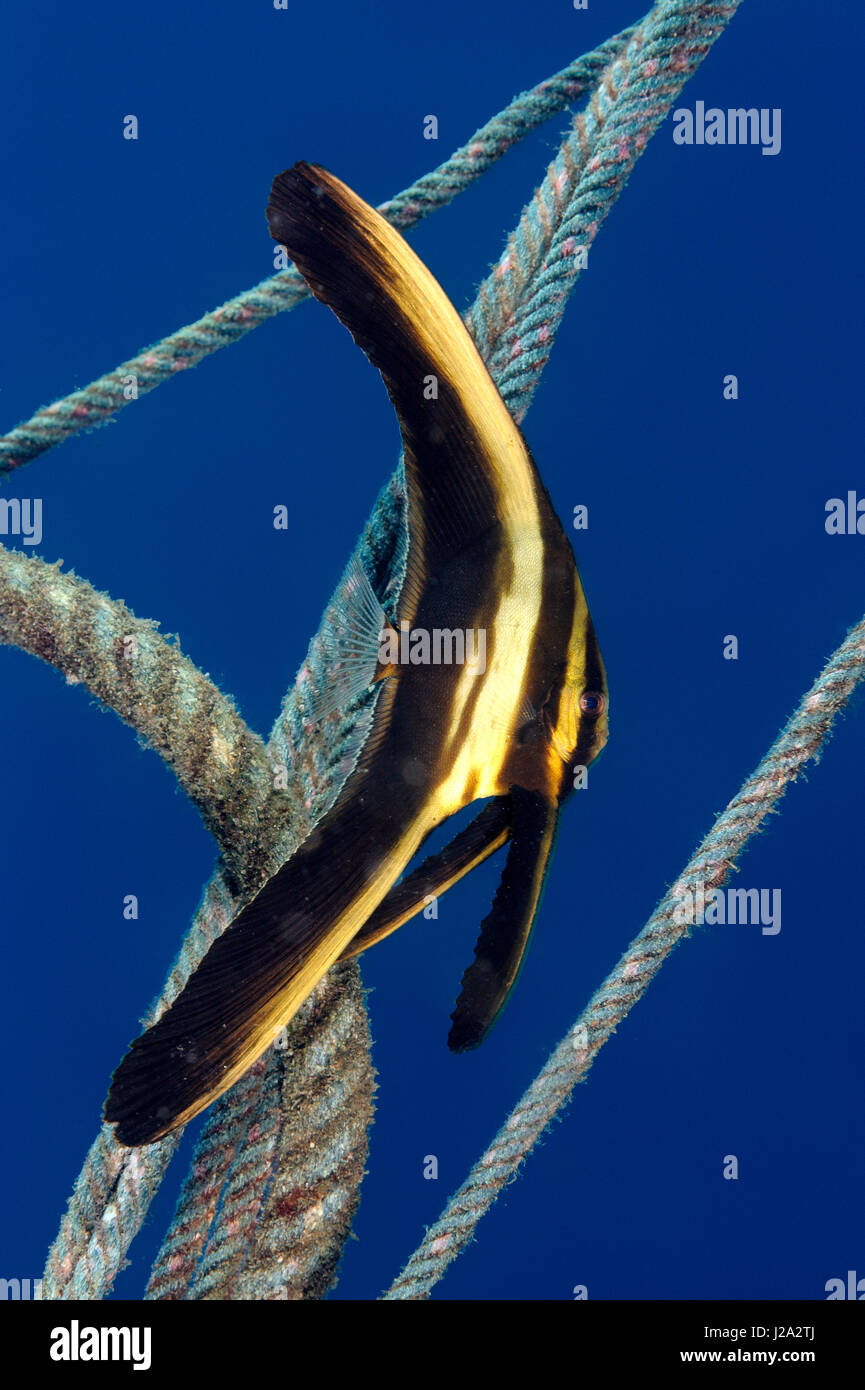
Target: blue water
{"points": [[706, 518]]}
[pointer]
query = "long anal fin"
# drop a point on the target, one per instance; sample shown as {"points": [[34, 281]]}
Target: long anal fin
{"points": [[486, 833], [258, 972], [506, 931]]}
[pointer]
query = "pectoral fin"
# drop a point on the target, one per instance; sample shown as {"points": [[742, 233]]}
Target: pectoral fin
{"points": [[351, 647], [506, 932], [486, 833]]}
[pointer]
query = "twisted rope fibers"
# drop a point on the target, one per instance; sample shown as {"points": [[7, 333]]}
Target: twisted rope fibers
{"points": [[800, 741], [181, 1250], [103, 1184], [313, 1176], [277, 1198]]}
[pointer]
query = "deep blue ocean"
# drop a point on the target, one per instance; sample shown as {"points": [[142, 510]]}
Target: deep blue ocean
{"points": [[706, 519]]}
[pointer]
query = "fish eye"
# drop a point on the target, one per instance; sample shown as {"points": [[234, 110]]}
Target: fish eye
{"points": [[592, 702]]}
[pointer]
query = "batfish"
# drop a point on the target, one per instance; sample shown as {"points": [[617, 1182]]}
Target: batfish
{"points": [[491, 686]]}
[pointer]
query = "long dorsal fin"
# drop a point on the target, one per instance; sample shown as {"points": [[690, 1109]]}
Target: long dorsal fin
{"points": [[506, 931], [467, 464]]}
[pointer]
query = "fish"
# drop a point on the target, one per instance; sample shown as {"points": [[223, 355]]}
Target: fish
{"points": [[488, 560]]}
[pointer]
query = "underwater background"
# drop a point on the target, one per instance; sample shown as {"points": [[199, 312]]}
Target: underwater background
{"points": [[706, 518]]}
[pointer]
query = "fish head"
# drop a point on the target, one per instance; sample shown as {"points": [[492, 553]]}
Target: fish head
{"points": [[575, 714]]}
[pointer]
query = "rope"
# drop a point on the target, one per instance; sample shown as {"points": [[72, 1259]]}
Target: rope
{"points": [[532, 283], [800, 741], [301, 1175], [96, 403], [116, 1186], [519, 308], [181, 1250]]}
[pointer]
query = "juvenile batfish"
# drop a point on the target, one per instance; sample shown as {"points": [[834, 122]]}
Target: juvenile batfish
{"points": [[489, 564]]}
